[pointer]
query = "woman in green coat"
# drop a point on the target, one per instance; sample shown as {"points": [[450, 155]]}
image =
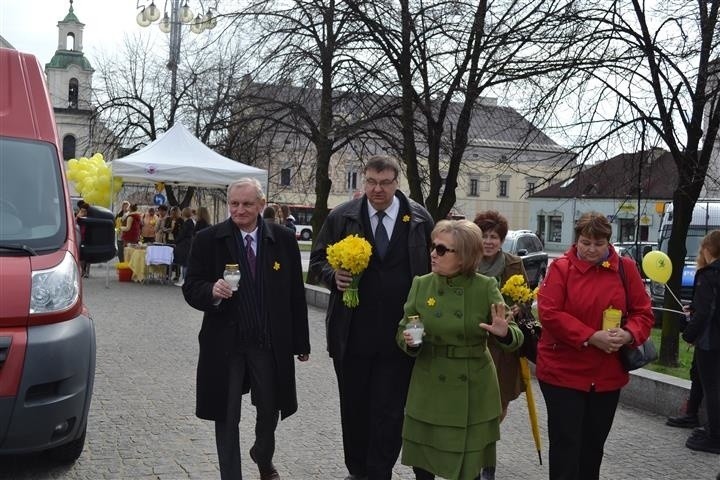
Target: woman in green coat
{"points": [[453, 409]]}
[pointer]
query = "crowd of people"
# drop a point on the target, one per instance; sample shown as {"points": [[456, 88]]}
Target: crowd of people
{"points": [[440, 398], [173, 226]]}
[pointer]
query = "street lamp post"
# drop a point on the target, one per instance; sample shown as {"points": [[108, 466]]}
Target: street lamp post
{"points": [[171, 24]]}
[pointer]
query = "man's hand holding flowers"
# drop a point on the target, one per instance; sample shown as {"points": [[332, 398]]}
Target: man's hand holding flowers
{"points": [[349, 258]]}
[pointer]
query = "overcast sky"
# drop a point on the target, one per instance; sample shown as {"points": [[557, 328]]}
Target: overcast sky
{"points": [[31, 25]]}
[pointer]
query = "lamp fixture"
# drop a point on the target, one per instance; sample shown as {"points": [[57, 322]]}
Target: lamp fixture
{"points": [[198, 23]]}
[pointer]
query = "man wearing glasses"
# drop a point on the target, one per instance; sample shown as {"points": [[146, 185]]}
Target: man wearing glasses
{"points": [[372, 372]]}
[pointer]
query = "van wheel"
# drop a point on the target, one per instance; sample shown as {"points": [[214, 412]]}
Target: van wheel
{"points": [[305, 235], [70, 451]]}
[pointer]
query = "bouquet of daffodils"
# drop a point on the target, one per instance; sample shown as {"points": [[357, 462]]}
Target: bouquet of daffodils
{"points": [[352, 253], [518, 291]]}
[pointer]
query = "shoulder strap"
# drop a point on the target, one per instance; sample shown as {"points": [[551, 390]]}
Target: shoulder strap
{"points": [[621, 271]]}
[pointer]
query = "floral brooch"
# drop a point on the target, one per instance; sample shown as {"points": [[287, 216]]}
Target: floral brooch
{"points": [[431, 302], [276, 266], [406, 218], [605, 264]]}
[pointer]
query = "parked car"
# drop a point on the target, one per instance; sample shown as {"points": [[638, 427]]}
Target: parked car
{"points": [[526, 245], [636, 251]]}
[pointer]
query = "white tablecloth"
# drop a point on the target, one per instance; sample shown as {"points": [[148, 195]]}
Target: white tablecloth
{"points": [[159, 255]]}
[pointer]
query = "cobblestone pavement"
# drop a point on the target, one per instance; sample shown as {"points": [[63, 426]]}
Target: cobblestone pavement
{"points": [[142, 424]]}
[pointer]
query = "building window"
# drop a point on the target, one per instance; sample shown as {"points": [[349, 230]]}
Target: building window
{"points": [[285, 177], [70, 41], [68, 147], [554, 229], [473, 187], [352, 177], [502, 188], [530, 188], [485, 183], [73, 94]]}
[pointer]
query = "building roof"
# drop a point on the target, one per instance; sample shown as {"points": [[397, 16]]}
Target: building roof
{"points": [[618, 178], [502, 127], [491, 126], [70, 17], [64, 58]]}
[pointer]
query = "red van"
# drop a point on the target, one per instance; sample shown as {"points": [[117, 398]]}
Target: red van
{"points": [[47, 338]]}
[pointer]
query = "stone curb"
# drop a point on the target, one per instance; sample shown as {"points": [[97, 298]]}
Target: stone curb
{"points": [[647, 390]]}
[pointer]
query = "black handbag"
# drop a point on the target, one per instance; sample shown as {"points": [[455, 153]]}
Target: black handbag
{"points": [[531, 329], [634, 356]]}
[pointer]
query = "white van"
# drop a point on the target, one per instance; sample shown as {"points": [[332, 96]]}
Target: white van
{"points": [[705, 218]]}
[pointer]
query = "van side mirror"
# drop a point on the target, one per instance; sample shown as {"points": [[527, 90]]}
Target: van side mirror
{"points": [[522, 252], [98, 244]]}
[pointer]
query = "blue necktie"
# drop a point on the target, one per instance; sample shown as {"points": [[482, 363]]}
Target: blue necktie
{"points": [[381, 236]]}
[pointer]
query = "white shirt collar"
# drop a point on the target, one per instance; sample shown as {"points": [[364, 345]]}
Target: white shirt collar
{"points": [[254, 235], [391, 212]]}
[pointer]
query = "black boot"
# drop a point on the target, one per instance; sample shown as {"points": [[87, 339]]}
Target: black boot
{"points": [[488, 473], [703, 443], [683, 421], [421, 474]]}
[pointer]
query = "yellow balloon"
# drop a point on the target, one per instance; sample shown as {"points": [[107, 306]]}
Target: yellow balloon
{"points": [[103, 182], [657, 266]]}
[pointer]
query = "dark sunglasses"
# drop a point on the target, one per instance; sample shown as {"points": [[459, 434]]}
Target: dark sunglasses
{"points": [[440, 249]]}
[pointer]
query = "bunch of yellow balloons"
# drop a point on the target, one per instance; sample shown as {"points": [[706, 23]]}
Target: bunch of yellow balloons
{"points": [[93, 180]]}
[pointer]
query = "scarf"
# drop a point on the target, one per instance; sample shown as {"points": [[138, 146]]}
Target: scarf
{"points": [[493, 267]]}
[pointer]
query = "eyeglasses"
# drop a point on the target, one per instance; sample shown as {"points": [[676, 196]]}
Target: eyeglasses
{"points": [[372, 183], [441, 249]]}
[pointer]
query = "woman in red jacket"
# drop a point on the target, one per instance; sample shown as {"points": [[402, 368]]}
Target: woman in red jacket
{"points": [[131, 229], [578, 364]]}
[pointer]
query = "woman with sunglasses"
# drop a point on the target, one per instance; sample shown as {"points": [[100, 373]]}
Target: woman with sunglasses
{"points": [[452, 415]]}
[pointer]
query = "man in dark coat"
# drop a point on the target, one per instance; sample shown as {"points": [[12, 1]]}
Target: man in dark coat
{"points": [[372, 373], [248, 336]]}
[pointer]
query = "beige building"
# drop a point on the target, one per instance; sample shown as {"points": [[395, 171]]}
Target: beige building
{"points": [[506, 159]]}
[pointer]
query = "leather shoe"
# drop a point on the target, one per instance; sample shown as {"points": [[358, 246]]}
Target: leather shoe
{"points": [[703, 443], [267, 472], [683, 421]]}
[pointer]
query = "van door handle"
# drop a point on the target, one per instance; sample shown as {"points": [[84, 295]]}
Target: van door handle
{"points": [[4, 348]]}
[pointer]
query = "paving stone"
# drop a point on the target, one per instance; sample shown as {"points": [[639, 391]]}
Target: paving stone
{"points": [[142, 423]]}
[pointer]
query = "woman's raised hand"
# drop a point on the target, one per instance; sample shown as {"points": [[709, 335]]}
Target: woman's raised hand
{"points": [[499, 325]]}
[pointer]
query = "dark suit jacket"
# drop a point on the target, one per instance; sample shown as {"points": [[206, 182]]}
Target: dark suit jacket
{"points": [[350, 218], [282, 303]]}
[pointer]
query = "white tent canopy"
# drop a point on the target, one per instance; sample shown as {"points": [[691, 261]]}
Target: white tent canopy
{"points": [[179, 158]]}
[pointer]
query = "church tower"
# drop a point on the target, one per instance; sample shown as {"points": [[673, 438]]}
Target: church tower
{"points": [[69, 77]]}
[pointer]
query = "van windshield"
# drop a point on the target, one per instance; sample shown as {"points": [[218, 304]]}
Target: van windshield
{"points": [[32, 213], [692, 241]]}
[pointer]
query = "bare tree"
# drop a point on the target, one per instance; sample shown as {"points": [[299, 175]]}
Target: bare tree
{"points": [[647, 73], [310, 82], [445, 56], [133, 103]]}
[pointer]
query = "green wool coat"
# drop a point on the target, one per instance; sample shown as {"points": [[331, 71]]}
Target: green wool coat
{"points": [[452, 415]]}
